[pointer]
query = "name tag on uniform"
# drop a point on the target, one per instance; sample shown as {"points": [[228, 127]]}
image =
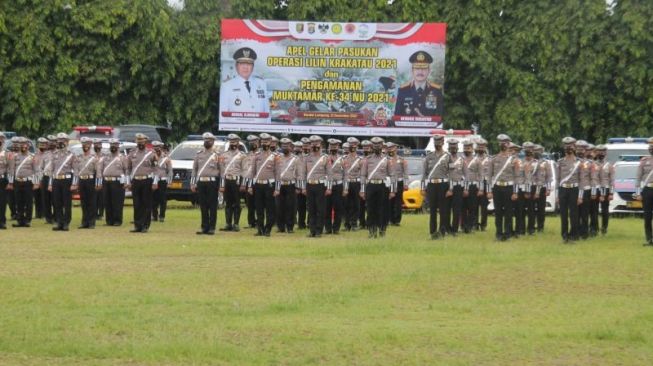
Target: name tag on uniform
{"points": [[261, 93]]}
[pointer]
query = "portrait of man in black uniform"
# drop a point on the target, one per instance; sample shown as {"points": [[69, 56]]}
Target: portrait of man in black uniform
{"points": [[420, 97]]}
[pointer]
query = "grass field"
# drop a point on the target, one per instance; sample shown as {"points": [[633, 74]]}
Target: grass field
{"points": [[169, 297]]}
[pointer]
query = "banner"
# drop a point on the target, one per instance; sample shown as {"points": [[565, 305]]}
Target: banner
{"points": [[332, 78]]}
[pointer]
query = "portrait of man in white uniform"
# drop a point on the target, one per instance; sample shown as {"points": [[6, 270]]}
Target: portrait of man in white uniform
{"points": [[245, 92]]}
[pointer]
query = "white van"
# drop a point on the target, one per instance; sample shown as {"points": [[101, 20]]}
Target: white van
{"points": [[626, 148], [460, 135]]}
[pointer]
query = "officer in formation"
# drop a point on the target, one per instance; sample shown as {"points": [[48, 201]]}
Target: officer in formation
{"points": [[301, 198], [352, 165], [644, 191], [143, 179], [164, 171], [454, 195], [205, 181], [99, 154], [253, 142], [399, 172], [85, 177], [22, 178], [377, 187], [570, 197], [62, 184], [41, 153], [366, 146], [605, 192], [112, 173], [335, 205], [261, 178], [541, 179], [435, 185], [315, 186], [5, 158], [290, 176], [502, 174], [473, 173], [231, 182]]}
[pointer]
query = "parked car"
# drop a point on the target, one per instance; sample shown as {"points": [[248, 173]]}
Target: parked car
{"points": [[620, 147], [93, 132], [413, 199], [625, 176], [182, 165], [153, 133]]}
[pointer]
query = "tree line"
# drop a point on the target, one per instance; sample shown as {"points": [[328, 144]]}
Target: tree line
{"points": [[537, 69]]}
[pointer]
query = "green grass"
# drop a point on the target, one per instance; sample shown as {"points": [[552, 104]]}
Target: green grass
{"points": [[169, 297]]}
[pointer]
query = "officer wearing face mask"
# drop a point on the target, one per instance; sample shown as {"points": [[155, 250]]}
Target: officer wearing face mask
{"points": [[485, 161], [262, 184], [248, 161], [585, 187], [435, 185], [335, 202], [314, 186], [519, 205], [375, 172], [542, 182], [112, 180], [232, 183], [569, 195], [205, 182], [142, 179], [99, 200], [40, 156], [594, 191], [399, 173], [274, 144], [164, 169], [502, 174], [530, 166], [62, 183], [644, 191], [472, 177], [352, 166], [289, 176], [301, 198], [85, 172], [454, 196], [45, 169], [366, 147], [4, 172], [23, 172], [605, 171]]}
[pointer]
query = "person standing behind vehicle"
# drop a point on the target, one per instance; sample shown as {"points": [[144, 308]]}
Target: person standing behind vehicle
{"points": [[606, 185], [644, 191], [472, 177]]}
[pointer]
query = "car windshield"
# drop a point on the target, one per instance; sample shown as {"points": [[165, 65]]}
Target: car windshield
{"points": [[185, 152], [613, 155], [414, 166], [129, 133], [625, 172]]}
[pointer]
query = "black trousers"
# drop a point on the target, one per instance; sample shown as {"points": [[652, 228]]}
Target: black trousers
{"points": [[250, 200], [286, 207], [531, 209], [584, 214], [207, 196], [454, 207], [436, 195], [3, 201], [647, 205], [88, 200], [396, 204], [160, 200], [11, 201], [568, 212], [594, 215], [113, 194], [38, 203], [265, 207], [362, 214], [605, 210], [63, 200], [376, 200], [352, 205], [470, 209], [519, 212], [301, 211], [24, 196], [335, 208], [142, 200], [232, 202], [99, 205], [46, 199], [315, 206], [482, 211], [502, 210]]}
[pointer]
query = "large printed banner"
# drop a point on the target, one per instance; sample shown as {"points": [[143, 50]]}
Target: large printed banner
{"points": [[332, 78]]}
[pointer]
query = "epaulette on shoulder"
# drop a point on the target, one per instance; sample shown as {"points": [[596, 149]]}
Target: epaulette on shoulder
{"points": [[434, 85], [404, 86]]}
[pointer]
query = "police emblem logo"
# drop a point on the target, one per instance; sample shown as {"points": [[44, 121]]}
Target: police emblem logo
{"points": [[323, 28], [431, 101], [237, 101], [311, 28], [421, 57], [336, 28], [246, 53], [299, 27]]}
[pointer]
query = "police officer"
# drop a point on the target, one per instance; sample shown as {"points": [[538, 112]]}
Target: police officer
{"points": [[419, 97], [366, 146], [5, 158], [519, 205], [486, 163], [99, 198], [301, 198], [24, 172], [245, 92], [585, 187], [289, 177], [335, 205], [263, 174], [85, 172], [232, 183], [644, 191], [472, 177], [143, 179], [316, 168], [204, 181], [15, 149], [352, 166], [164, 170], [605, 170], [61, 183], [253, 142], [112, 177], [569, 196], [399, 174], [435, 186], [46, 172], [503, 171], [40, 156], [375, 173], [454, 195], [274, 144], [530, 167]]}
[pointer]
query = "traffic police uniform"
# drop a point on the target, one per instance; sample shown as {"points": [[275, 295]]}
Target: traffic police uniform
{"points": [[436, 184], [568, 180], [503, 172], [112, 175], [232, 182], [23, 173], [362, 216], [541, 186], [519, 205], [11, 196], [399, 174], [606, 185], [5, 158], [485, 188], [316, 168], [164, 170], [263, 174], [301, 198], [205, 181], [61, 183], [644, 190], [240, 95], [99, 205], [375, 179], [143, 179], [46, 176], [595, 191], [419, 100], [352, 164], [40, 156], [85, 173], [289, 178], [585, 188], [472, 177], [457, 184], [529, 166], [335, 205], [247, 162]]}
